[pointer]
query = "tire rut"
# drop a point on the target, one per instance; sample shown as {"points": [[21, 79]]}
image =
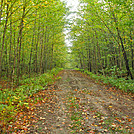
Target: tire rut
{"points": [[98, 107]]}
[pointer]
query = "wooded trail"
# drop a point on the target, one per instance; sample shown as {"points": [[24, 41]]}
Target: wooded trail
{"points": [[76, 104], [40, 38]]}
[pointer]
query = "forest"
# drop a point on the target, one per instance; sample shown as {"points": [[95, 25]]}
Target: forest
{"points": [[32, 38], [33, 49], [102, 38]]}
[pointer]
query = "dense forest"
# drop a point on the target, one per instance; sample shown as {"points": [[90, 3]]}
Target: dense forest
{"points": [[32, 45], [103, 37], [31, 37]]}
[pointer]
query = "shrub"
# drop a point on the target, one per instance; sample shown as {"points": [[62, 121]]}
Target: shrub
{"points": [[120, 83]]}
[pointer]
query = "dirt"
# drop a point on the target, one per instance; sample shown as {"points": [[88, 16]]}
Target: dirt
{"points": [[76, 104]]}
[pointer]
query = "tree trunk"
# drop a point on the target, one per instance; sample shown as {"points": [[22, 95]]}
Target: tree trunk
{"points": [[18, 49], [3, 41], [10, 50], [124, 54], [32, 48], [132, 49], [44, 55], [89, 62], [36, 53], [1, 8], [6, 62], [95, 60], [81, 66]]}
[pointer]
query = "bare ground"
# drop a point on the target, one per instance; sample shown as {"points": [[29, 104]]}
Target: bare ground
{"points": [[76, 104]]}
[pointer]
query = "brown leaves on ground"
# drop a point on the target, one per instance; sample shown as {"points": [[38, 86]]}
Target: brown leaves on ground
{"points": [[75, 104]]}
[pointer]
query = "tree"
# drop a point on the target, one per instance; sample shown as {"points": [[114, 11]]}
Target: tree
{"points": [[105, 28], [31, 33]]}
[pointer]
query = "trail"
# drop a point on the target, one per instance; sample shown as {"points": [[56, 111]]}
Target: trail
{"points": [[76, 104]]}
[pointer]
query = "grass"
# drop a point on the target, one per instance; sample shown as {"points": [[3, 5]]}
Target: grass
{"points": [[14, 100], [120, 83]]}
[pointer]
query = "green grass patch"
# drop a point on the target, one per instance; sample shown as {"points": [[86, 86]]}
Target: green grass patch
{"points": [[120, 83], [14, 100]]}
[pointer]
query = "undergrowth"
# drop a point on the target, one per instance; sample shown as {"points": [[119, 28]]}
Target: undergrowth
{"points": [[14, 100], [120, 83]]}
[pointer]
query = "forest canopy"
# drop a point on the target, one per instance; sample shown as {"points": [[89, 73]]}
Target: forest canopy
{"points": [[31, 36], [103, 37]]}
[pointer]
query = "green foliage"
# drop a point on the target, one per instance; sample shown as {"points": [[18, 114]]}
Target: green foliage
{"points": [[102, 36], [120, 83], [13, 100], [34, 31], [55, 71]]}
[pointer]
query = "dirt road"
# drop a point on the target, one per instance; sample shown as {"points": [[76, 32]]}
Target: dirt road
{"points": [[76, 104]]}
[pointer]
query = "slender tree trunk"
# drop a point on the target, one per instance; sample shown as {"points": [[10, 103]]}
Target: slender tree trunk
{"points": [[44, 55], [19, 43], [124, 54], [52, 52], [18, 49], [52, 56], [81, 66], [123, 48], [115, 57], [105, 54], [36, 53], [13, 67], [32, 48], [89, 62], [98, 52], [10, 50], [23, 69], [42, 52], [47, 56], [42, 48], [1, 8], [132, 50], [6, 56], [3, 41], [120, 64], [95, 60], [83, 59]]}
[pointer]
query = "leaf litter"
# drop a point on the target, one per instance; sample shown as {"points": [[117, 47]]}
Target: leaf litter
{"points": [[76, 104]]}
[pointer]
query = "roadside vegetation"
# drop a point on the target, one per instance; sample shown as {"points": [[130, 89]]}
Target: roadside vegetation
{"points": [[113, 80], [102, 42], [32, 51], [14, 101]]}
